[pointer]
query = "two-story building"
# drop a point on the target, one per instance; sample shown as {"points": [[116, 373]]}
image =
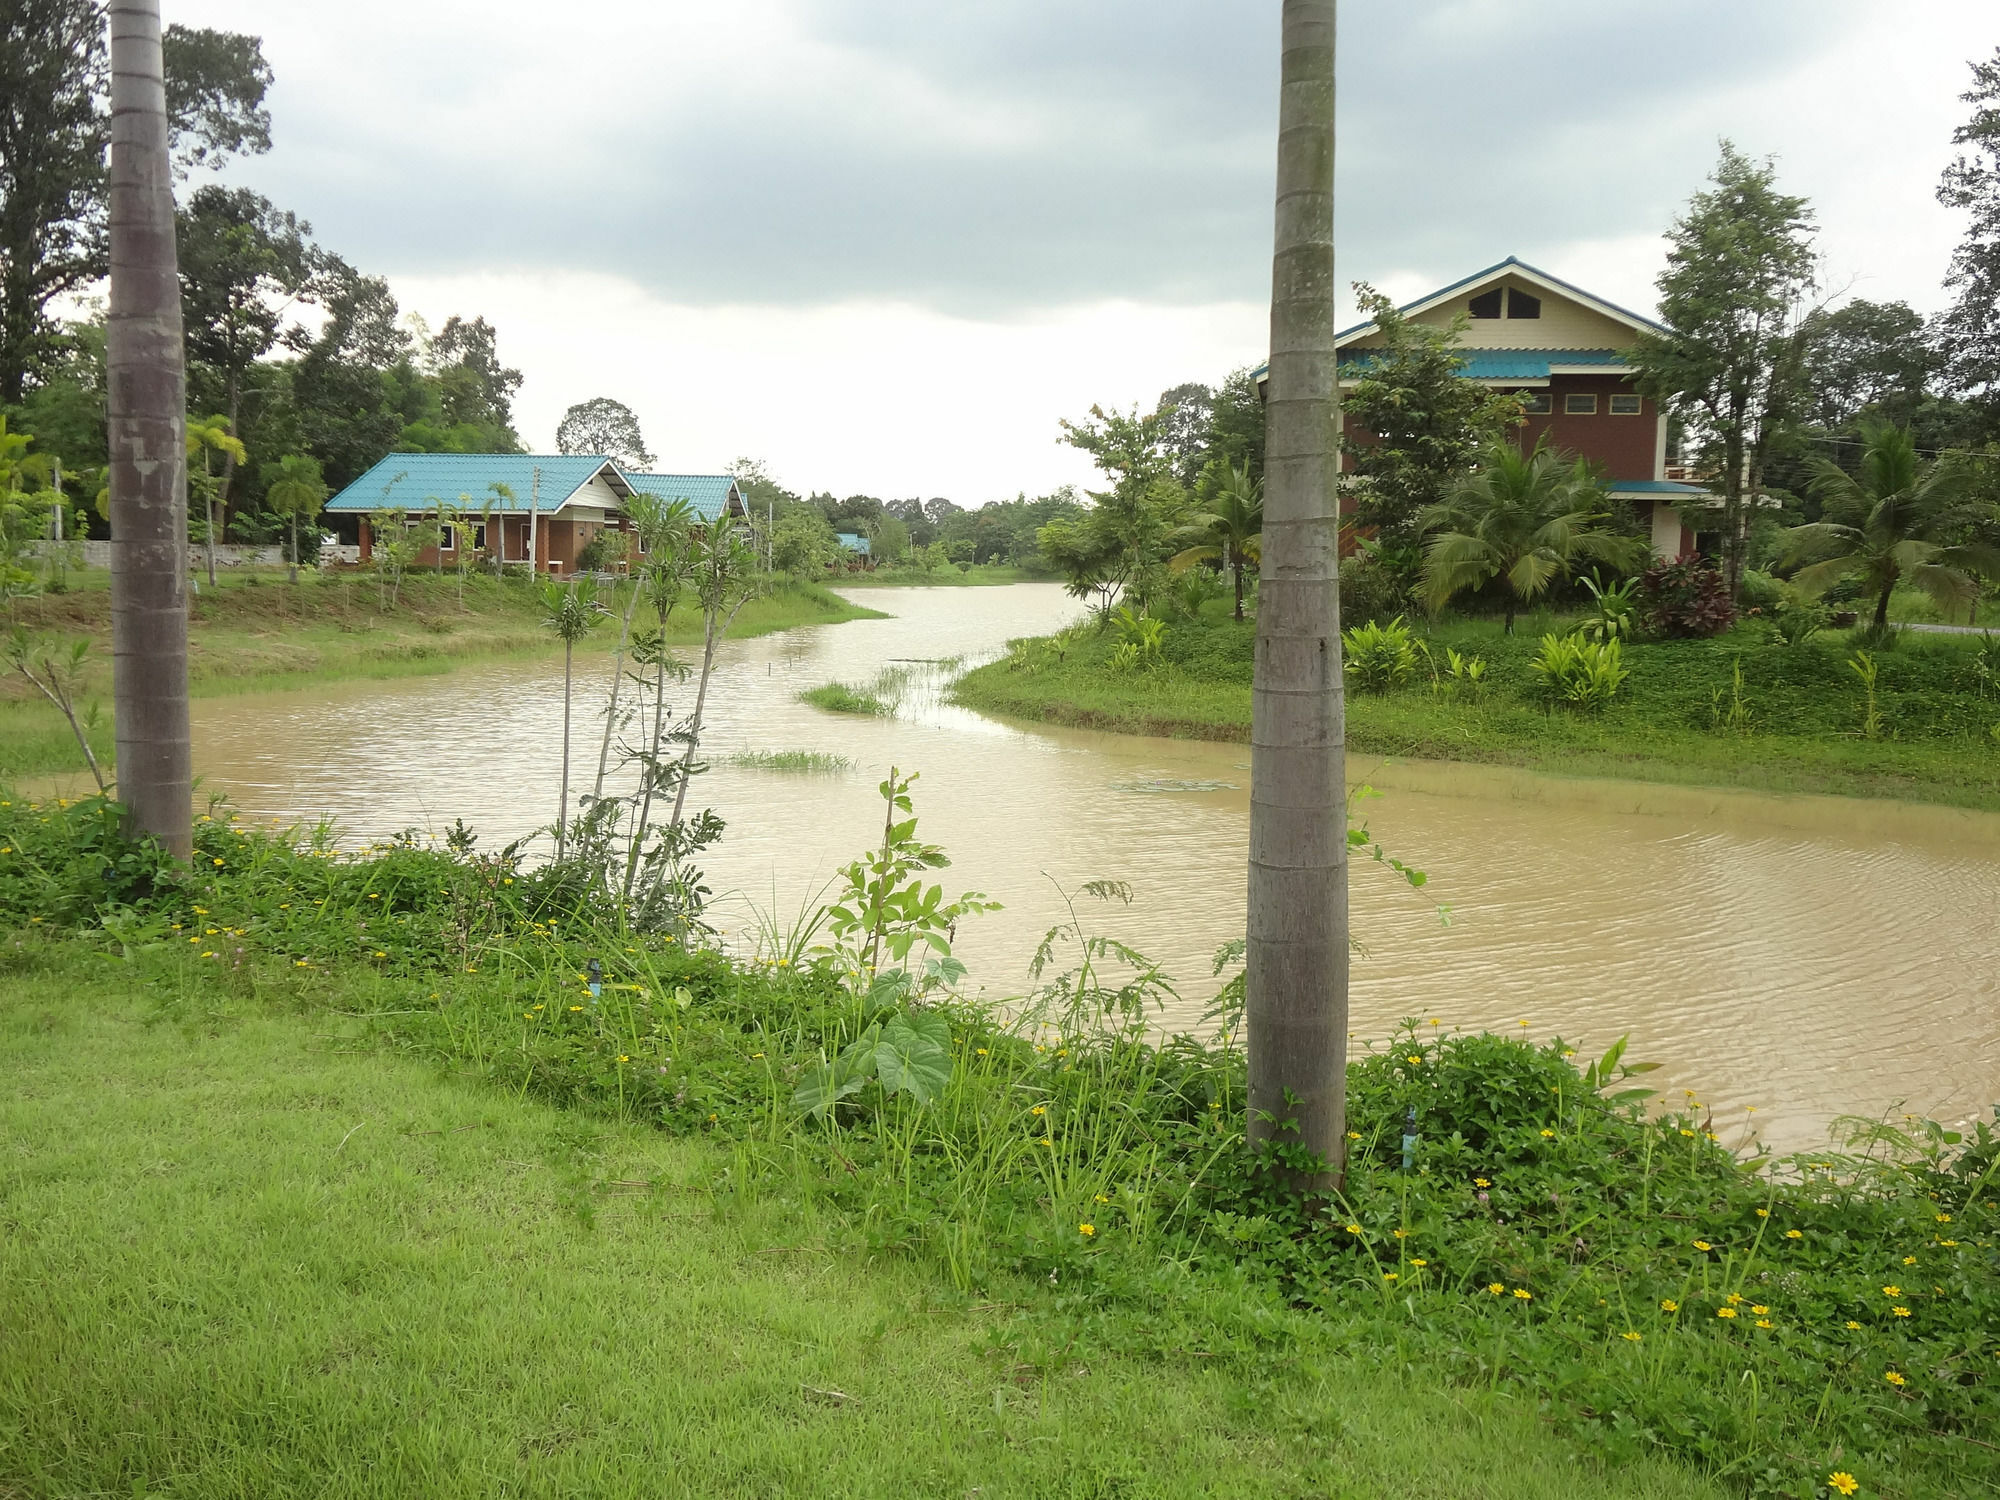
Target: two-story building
{"points": [[531, 509], [1563, 351]]}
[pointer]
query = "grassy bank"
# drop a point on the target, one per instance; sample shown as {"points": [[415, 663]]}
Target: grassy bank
{"points": [[978, 576], [1794, 724], [1034, 1253], [257, 633]]}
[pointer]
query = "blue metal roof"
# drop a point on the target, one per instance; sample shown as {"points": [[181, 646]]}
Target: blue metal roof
{"points": [[420, 481], [1665, 489], [853, 542], [1504, 364], [707, 493]]}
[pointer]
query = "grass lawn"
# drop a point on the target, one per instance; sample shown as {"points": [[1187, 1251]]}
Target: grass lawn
{"points": [[257, 633], [1799, 729], [245, 1255], [979, 575]]}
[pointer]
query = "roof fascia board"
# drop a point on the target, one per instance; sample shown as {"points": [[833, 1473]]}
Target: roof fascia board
{"points": [[1527, 273]]}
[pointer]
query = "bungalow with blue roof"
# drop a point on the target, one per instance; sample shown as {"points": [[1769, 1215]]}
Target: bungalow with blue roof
{"points": [[1563, 351], [529, 506], [857, 547]]}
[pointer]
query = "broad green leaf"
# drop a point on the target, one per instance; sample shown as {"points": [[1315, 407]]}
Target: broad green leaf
{"points": [[914, 1057]]}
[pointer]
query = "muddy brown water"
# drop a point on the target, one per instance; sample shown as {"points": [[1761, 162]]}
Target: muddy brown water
{"points": [[1788, 958]]}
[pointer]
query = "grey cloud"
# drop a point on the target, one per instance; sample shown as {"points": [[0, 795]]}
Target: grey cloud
{"points": [[1141, 167]]}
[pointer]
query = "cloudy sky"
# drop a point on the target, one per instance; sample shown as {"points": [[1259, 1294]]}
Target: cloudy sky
{"points": [[885, 245]]}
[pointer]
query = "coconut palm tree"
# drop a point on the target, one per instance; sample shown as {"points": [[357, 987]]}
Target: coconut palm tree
{"points": [[146, 407], [298, 491], [570, 611], [1899, 518], [1524, 518], [1231, 527], [1295, 955], [205, 438]]}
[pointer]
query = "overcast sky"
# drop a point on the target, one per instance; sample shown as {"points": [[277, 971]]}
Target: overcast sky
{"points": [[885, 245]]}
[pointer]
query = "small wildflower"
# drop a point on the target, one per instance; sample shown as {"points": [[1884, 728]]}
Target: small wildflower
{"points": [[380, 954], [1893, 1378], [1944, 1218], [1413, 1059], [1354, 1135], [1909, 1260], [1100, 1198], [1524, 1294], [1354, 1229], [1901, 1312], [981, 1051], [1631, 1338], [1086, 1230], [711, 1119], [1734, 1299], [1401, 1234], [1795, 1234], [1391, 1276], [1852, 1325], [218, 863], [1765, 1323], [1045, 1141], [1548, 1135], [1669, 1305], [1760, 1309], [756, 1056], [1481, 1182], [1688, 1133], [1725, 1312], [1496, 1287], [576, 1007], [1703, 1245], [1763, 1213], [1420, 1264], [1892, 1291], [1039, 1109], [1843, 1481]]}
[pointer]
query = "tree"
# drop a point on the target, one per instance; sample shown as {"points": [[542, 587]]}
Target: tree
{"points": [[570, 610], [1971, 327], [297, 494], [345, 416], [147, 405], [1186, 413], [723, 570], [1863, 355], [1524, 518], [203, 439], [1232, 526], [601, 425], [1739, 266], [1900, 518], [1127, 530], [53, 130], [1296, 958], [661, 528], [52, 124], [475, 388], [1413, 427], [802, 543]]}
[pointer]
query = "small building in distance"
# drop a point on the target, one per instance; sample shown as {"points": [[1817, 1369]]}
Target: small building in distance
{"points": [[1562, 350], [544, 506], [860, 552]]}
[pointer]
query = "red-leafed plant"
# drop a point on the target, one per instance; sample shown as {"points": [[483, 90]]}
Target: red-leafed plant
{"points": [[1686, 598]]}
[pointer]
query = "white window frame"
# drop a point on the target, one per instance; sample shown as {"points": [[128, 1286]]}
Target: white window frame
{"points": [[1528, 398], [1571, 409], [1638, 407]]}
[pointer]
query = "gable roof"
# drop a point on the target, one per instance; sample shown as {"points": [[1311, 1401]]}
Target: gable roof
{"points": [[419, 481], [854, 542], [1534, 276], [707, 493]]}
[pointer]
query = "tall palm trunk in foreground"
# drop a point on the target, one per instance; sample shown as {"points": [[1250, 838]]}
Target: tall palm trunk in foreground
{"points": [[1296, 995], [147, 409]]}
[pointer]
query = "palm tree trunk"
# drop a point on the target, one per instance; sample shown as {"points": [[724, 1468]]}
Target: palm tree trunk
{"points": [[208, 513], [562, 805], [294, 577], [1510, 617], [1236, 565], [1297, 959], [147, 411], [1882, 607]]}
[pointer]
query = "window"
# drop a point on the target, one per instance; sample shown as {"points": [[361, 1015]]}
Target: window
{"points": [[1536, 403], [1626, 406], [1485, 305], [1580, 406], [1521, 305], [447, 537], [478, 536]]}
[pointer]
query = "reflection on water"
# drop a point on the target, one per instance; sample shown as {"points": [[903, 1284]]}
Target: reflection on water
{"points": [[1802, 957]]}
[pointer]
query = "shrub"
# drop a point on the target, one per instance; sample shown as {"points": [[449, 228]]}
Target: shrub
{"points": [[1763, 592], [1381, 656], [1616, 613], [1369, 591], [1686, 598], [1580, 673]]}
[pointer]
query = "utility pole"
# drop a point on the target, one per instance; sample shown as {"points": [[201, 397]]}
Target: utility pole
{"points": [[147, 410], [1296, 967]]}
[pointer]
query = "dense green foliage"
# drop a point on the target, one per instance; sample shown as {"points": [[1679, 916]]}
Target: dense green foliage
{"points": [[1833, 1313]]}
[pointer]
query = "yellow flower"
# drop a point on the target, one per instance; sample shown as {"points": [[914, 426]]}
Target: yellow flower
{"points": [[981, 1051], [1413, 1059], [1524, 1294], [1725, 1312], [1760, 1309], [1086, 1230], [1354, 1229], [1669, 1305], [1688, 1133], [218, 862], [1045, 1141], [1901, 1312], [1734, 1299], [1100, 1198], [1481, 1182], [1548, 1135], [1354, 1135], [1794, 1234], [1892, 1291], [1909, 1260], [1944, 1218], [1496, 1287], [1763, 1213], [576, 1007], [1703, 1245], [755, 1056], [1893, 1378], [1632, 1338], [380, 954], [1401, 1234], [1390, 1276], [1419, 1263], [1843, 1481], [1039, 1109]]}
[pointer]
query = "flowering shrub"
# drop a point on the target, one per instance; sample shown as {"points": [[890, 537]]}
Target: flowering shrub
{"points": [[1685, 598]]}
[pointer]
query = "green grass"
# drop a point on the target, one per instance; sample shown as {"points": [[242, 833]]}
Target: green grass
{"points": [[246, 1258], [1805, 709], [810, 762], [259, 634], [841, 698], [981, 575]]}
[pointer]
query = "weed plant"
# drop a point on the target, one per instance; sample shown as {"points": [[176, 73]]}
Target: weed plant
{"points": [[1774, 1321], [843, 698], [811, 762]]}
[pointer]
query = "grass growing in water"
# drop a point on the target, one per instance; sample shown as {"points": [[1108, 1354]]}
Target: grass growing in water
{"points": [[1829, 1313], [817, 762], [840, 698]]}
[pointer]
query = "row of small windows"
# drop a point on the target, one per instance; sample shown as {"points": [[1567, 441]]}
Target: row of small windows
{"points": [[1576, 404], [1519, 304]]}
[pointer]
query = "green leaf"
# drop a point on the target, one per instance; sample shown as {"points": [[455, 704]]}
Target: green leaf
{"points": [[914, 1056]]}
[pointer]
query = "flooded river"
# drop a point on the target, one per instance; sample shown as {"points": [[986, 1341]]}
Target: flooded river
{"points": [[1789, 958]]}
